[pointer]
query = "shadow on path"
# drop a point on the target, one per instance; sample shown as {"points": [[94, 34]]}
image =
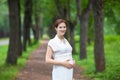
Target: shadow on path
{"points": [[37, 69]]}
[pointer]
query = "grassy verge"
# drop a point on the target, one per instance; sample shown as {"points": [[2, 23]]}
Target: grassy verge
{"points": [[8, 72], [112, 56]]}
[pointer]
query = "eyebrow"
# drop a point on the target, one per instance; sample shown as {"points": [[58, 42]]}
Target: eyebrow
{"points": [[62, 26]]}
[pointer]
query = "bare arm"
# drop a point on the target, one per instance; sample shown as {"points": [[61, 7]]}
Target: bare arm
{"points": [[50, 60]]}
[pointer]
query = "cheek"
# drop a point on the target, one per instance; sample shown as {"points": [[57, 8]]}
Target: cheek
{"points": [[65, 29], [57, 30]]}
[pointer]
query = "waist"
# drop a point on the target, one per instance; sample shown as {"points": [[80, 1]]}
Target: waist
{"points": [[63, 57]]}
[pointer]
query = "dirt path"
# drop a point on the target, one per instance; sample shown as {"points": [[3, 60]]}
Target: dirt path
{"points": [[37, 69]]}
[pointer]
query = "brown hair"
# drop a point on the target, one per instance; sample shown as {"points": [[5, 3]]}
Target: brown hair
{"points": [[58, 21]]}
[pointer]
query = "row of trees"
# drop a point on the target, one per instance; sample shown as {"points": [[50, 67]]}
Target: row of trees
{"points": [[111, 15], [74, 11], [16, 44], [63, 11]]}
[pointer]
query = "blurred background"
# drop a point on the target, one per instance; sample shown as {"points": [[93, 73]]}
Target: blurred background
{"points": [[93, 30]]}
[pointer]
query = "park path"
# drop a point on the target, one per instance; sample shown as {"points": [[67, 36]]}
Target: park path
{"points": [[37, 69]]}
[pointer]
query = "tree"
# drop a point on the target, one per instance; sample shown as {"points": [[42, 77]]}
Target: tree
{"points": [[99, 35], [83, 18], [27, 23], [14, 49], [71, 24], [37, 12]]}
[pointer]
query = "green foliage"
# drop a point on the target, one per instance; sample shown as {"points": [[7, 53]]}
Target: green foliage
{"points": [[112, 56], [111, 12], [4, 16], [73, 9], [8, 72], [117, 27], [112, 38], [49, 12], [84, 4]]}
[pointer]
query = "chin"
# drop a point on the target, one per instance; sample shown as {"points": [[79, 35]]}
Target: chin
{"points": [[62, 34]]}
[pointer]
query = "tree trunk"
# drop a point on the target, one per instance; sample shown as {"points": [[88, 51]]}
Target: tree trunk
{"points": [[72, 40], [83, 38], [20, 44], [83, 17], [71, 25], [40, 27], [15, 39], [99, 35], [27, 23], [38, 30]]}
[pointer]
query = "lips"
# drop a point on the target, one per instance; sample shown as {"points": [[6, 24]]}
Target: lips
{"points": [[63, 31]]}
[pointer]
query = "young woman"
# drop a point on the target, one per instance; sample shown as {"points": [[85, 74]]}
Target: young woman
{"points": [[59, 53]]}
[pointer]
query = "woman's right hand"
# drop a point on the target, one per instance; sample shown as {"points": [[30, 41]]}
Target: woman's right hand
{"points": [[67, 64]]}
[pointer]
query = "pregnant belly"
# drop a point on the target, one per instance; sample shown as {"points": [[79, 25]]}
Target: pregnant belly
{"points": [[63, 57]]}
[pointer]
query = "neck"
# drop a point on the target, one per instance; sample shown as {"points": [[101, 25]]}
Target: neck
{"points": [[60, 37]]}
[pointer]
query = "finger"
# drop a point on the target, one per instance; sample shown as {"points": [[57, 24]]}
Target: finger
{"points": [[68, 60]]}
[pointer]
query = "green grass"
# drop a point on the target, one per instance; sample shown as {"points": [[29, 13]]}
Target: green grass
{"points": [[8, 72], [112, 56]]}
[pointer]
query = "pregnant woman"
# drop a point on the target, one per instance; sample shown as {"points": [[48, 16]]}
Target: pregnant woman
{"points": [[59, 53]]}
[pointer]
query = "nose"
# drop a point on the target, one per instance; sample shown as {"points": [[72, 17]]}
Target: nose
{"points": [[63, 28]]}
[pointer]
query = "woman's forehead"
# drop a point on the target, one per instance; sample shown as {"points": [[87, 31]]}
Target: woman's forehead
{"points": [[62, 24]]}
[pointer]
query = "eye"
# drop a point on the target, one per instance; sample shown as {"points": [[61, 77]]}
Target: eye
{"points": [[60, 27], [64, 26]]}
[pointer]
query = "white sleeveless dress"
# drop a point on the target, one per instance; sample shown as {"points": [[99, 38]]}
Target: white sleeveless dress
{"points": [[61, 52]]}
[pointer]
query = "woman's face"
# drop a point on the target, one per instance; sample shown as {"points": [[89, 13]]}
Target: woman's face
{"points": [[61, 29]]}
